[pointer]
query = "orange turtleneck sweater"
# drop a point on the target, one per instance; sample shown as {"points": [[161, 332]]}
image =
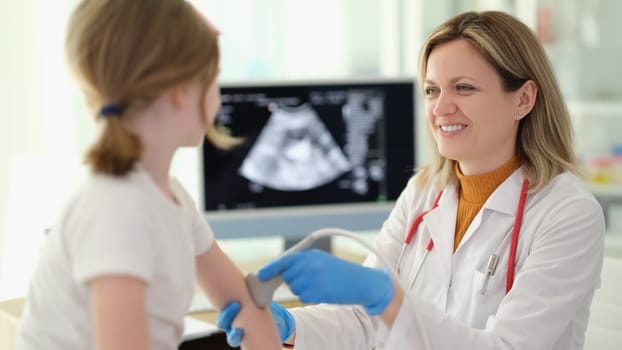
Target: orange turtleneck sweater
{"points": [[474, 191]]}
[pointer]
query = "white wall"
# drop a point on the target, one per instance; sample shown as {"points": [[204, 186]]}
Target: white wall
{"points": [[21, 131], [39, 148]]}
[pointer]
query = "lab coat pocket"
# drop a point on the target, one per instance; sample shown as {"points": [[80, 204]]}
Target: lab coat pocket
{"points": [[485, 296]]}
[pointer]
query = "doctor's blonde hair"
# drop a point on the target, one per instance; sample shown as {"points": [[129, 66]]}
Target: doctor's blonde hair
{"points": [[544, 140], [127, 53]]}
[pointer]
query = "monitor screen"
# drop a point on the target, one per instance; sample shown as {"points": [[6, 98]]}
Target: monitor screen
{"points": [[311, 143]]}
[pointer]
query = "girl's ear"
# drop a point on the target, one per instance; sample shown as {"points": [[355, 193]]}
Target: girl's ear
{"points": [[527, 95], [179, 96]]}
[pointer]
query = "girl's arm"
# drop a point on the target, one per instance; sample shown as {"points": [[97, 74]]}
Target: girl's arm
{"points": [[223, 283], [118, 313]]}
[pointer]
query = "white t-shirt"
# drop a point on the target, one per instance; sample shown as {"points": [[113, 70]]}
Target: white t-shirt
{"points": [[123, 226]]}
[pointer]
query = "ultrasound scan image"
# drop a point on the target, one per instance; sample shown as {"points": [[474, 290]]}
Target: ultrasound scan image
{"points": [[306, 145], [294, 152]]}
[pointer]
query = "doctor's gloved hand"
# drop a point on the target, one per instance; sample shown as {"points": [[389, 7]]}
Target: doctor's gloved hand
{"points": [[284, 321], [318, 277]]}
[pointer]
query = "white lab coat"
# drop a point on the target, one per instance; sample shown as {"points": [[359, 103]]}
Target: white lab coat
{"points": [[559, 259]]}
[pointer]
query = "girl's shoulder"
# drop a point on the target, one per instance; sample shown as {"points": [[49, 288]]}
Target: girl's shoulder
{"points": [[103, 192]]}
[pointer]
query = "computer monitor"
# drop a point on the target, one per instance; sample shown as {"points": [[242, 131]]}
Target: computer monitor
{"points": [[320, 144]]}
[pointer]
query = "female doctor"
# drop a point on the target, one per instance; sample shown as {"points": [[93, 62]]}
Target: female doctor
{"points": [[497, 243]]}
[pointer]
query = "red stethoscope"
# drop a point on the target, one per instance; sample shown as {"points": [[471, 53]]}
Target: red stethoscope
{"points": [[492, 262]]}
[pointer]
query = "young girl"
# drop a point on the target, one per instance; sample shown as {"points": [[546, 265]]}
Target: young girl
{"points": [[118, 268]]}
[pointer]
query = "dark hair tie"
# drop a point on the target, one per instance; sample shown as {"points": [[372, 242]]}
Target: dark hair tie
{"points": [[112, 109]]}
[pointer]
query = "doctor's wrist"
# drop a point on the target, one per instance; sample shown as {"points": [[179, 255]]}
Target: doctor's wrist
{"points": [[390, 313], [387, 292], [289, 342]]}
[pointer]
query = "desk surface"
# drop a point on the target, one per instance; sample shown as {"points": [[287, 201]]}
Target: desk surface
{"points": [[11, 310]]}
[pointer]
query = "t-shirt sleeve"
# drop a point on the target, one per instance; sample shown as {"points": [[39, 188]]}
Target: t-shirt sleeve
{"points": [[202, 234], [109, 235]]}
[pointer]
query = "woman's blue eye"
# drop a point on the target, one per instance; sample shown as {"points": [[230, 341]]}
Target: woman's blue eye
{"points": [[463, 87]]}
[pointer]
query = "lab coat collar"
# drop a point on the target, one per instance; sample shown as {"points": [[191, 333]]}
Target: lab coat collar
{"points": [[504, 200], [441, 222], [506, 197], [441, 225]]}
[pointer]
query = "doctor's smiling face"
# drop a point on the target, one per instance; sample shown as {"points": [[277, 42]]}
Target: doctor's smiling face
{"points": [[473, 119]]}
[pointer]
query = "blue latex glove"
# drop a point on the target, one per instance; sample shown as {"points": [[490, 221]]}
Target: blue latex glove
{"points": [[284, 321], [318, 277]]}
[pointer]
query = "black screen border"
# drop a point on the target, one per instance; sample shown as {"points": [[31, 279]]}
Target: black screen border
{"points": [[397, 133]]}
